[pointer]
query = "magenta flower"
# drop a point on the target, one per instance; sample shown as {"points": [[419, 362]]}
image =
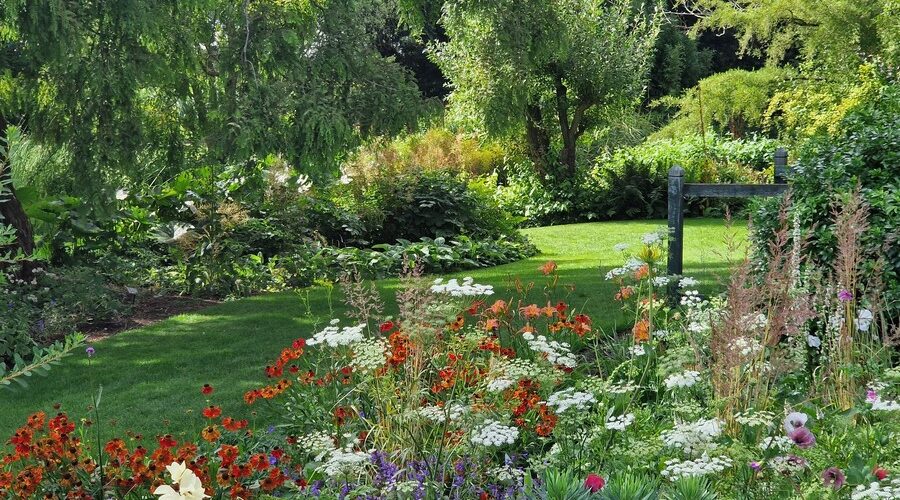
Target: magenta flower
{"points": [[871, 396], [90, 351], [756, 466], [833, 478], [845, 296], [802, 437]]}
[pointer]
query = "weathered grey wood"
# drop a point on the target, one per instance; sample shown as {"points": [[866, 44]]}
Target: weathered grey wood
{"points": [[781, 168], [676, 228], [734, 190]]}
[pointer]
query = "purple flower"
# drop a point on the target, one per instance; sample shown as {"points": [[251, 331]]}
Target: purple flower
{"points": [[802, 437], [833, 478], [845, 296], [756, 466], [90, 351], [871, 396], [273, 460]]}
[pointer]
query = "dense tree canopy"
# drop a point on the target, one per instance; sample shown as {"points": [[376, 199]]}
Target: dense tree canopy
{"points": [[544, 66]]}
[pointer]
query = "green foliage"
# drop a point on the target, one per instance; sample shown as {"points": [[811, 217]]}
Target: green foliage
{"points": [[197, 81], [631, 182], [628, 486], [834, 35], [544, 67], [734, 102], [679, 63], [691, 488], [563, 485], [39, 363], [863, 152]]}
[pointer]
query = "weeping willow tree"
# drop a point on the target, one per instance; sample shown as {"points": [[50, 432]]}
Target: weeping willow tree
{"points": [[547, 68], [138, 89]]}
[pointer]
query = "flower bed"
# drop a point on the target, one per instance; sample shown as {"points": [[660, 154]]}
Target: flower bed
{"points": [[782, 387]]}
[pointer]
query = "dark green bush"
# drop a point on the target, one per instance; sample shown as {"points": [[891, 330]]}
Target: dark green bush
{"points": [[864, 153], [631, 182]]}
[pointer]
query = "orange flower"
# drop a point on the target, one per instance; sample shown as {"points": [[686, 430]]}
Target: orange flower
{"points": [[233, 425], [228, 453], [211, 433], [212, 412], [642, 272], [624, 293], [531, 311], [458, 324], [641, 331], [548, 267], [491, 324], [499, 307]]}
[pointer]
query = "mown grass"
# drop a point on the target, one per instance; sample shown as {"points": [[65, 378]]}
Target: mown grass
{"points": [[151, 377]]}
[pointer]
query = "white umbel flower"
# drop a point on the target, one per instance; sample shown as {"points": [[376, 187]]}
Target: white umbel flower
{"points": [[686, 378], [468, 288], [493, 433]]}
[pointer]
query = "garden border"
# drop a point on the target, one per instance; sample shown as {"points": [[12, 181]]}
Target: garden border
{"points": [[678, 190]]}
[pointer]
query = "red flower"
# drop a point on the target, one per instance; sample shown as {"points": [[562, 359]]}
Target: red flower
{"points": [[206, 389], [212, 412], [880, 473], [386, 326], [594, 483], [167, 441]]}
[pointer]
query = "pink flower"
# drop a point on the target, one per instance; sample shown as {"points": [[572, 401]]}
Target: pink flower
{"points": [[833, 478], [845, 296], [802, 437], [871, 396], [594, 483]]}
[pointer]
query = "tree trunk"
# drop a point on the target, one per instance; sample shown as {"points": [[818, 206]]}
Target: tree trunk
{"points": [[11, 212], [538, 140]]}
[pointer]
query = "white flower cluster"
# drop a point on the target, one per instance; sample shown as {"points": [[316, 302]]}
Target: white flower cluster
{"points": [[630, 266], [558, 353], [569, 398], [493, 433], [506, 372], [660, 281], [693, 437], [877, 490], [370, 354], [884, 405], [637, 350], [788, 465], [507, 474], [677, 469], [746, 346], [334, 335], [661, 334], [620, 247], [777, 443], [620, 422], [688, 282], [686, 378], [622, 388], [651, 238], [468, 288], [440, 414], [344, 463], [755, 418], [690, 298], [318, 444]]}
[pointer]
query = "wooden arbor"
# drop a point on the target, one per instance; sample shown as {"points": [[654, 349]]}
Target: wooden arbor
{"points": [[678, 190]]}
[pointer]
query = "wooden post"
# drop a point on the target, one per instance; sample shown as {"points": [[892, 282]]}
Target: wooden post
{"points": [[676, 230], [781, 168]]}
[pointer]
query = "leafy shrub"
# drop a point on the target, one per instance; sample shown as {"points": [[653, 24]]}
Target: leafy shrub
{"points": [[863, 153], [632, 182], [435, 149]]}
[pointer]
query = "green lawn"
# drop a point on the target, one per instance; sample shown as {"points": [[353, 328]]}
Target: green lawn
{"points": [[151, 377]]}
